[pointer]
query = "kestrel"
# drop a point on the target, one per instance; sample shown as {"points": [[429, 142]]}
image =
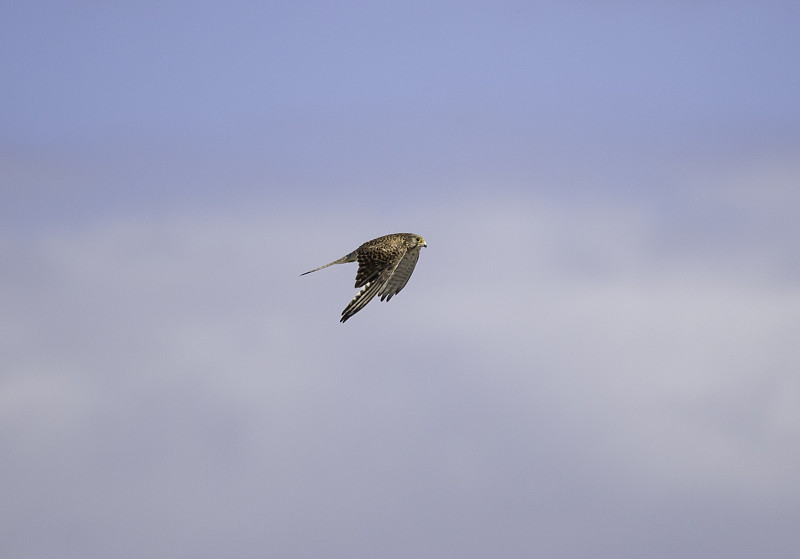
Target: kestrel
{"points": [[384, 266]]}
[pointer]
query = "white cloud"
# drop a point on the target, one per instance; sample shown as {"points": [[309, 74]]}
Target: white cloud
{"points": [[676, 362], [182, 365]]}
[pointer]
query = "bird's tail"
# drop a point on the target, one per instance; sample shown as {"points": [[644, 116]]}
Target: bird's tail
{"points": [[352, 257]]}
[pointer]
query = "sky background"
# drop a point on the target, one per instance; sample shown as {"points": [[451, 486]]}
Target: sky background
{"points": [[597, 355]]}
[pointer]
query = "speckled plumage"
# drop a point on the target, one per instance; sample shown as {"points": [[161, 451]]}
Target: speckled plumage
{"points": [[384, 266]]}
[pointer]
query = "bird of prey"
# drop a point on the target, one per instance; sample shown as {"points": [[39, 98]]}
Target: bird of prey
{"points": [[384, 266]]}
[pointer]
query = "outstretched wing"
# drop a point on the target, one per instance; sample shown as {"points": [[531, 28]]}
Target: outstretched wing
{"points": [[377, 267], [399, 278]]}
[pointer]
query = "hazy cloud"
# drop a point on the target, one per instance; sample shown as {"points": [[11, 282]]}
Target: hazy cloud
{"points": [[596, 356], [549, 378]]}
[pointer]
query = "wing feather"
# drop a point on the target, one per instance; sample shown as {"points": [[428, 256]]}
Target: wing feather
{"points": [[400, 276], [373, 280]]}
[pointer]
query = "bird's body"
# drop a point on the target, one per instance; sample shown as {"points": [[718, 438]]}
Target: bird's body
{"points": [[384, 266]]}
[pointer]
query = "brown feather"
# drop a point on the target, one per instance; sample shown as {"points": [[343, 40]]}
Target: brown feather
{"points": [[385, 265]]}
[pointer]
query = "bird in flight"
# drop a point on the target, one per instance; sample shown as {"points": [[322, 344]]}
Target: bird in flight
{"points": [[384, 266]]}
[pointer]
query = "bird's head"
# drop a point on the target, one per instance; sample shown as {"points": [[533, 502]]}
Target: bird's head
{"points": [[418, 241]]}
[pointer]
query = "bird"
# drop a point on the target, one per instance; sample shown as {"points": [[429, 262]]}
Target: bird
{"points": [[384, 266]]}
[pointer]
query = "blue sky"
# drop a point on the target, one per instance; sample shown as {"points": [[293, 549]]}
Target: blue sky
{"points": [[596, 355]]}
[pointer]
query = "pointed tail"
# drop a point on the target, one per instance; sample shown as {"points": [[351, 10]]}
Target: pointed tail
{"points": [[352, 257]]}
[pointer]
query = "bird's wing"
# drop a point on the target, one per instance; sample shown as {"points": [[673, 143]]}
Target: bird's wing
{"points": [[399, 278], [374, 258], [376, 267]]}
